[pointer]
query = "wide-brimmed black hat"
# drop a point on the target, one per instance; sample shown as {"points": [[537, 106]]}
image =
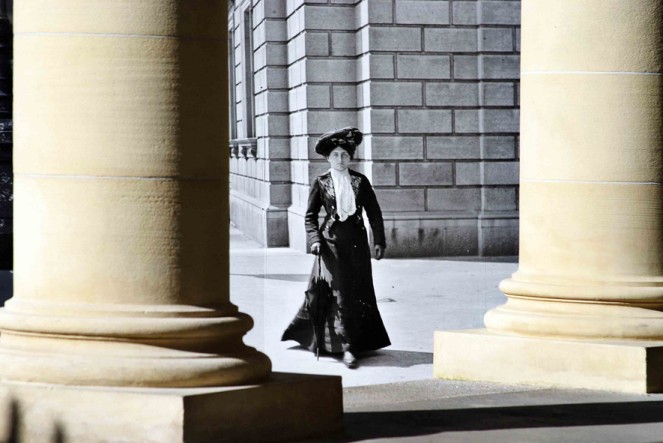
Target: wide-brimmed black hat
{"points": [[347, 138]]}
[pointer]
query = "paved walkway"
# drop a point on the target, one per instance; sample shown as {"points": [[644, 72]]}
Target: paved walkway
{"points": [[392, 395], [415, 298]]}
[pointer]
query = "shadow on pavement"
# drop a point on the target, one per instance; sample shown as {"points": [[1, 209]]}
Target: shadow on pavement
{"points": [[384, 358], [283, 277], [369, 425], [500, 259], [396, 359]]}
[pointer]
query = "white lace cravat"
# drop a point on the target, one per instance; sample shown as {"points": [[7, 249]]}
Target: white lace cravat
{"points": [[345, 196]]}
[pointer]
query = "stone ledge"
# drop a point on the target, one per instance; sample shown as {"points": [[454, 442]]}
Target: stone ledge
{"points": [[287, 407], [610, 365]]}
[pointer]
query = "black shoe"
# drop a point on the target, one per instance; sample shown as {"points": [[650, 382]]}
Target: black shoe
{"points": [[349, 360]]}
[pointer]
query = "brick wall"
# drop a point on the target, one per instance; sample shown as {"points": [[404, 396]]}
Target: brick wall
{"points": [[434, 86], [323, 72], [440, 89]]}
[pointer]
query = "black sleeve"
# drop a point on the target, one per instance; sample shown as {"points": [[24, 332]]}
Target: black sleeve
{"points": [[374, 213], [312, 213]]}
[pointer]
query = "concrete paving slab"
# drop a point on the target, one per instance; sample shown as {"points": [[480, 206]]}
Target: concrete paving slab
{"points": [[395, 396], [436, 411]]}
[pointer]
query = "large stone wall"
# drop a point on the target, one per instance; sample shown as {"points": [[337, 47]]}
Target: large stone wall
{"points": [[323, 82], [441, 91], [433, 85], [260, 162]]}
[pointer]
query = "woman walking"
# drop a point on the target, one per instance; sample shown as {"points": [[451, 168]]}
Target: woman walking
{"points": [[340, 313]]}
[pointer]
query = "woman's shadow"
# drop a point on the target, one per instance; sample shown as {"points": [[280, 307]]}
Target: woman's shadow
{"points": [[382, 358], [395, 359]]}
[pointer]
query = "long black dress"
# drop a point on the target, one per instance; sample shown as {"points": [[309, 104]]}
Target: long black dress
{"points": [[352, 321]]}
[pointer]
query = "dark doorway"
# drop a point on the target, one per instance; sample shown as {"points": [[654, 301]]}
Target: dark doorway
{"points": [[6, 173]]}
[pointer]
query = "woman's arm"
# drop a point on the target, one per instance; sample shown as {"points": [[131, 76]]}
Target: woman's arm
{"points": [[312, 212], [374, 214]]}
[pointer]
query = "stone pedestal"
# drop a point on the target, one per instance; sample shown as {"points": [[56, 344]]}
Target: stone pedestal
{"points": [[121, 209], [285, 407], [611, 365], [588, 293]]}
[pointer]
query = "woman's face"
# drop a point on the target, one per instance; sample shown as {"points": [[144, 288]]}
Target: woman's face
{"points": [[339, 159]]}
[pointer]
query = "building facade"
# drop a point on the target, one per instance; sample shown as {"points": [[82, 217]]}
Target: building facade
{"points": [[434, 86]]}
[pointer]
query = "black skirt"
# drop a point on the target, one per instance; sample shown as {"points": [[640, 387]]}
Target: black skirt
{"points": [[352, 321]]}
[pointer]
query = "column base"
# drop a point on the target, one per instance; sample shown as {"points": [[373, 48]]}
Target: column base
{"points": [[287, 407], [611, 365]]}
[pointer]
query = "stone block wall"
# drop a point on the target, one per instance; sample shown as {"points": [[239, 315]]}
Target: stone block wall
{"points": [[433, 85], [260, 158], [323, 91], [444, 151]]}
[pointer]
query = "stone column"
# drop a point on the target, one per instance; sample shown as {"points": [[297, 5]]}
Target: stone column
{"points": [[121, 208], [584, 307]]}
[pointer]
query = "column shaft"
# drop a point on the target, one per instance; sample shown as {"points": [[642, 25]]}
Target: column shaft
{"points": [[584, 309], [121, 271], [591, 255]]}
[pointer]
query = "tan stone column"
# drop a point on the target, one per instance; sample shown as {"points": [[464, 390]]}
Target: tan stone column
{"points": [[121, 195], [584, 307], [121, 187]]}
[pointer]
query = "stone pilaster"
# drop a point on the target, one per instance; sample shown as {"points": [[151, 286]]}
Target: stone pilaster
{"points": [[584, 307], [322, 81], [260, 162], [121, 274]]}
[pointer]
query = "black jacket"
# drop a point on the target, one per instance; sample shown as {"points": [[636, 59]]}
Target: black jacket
{"points": [[322, 194]]}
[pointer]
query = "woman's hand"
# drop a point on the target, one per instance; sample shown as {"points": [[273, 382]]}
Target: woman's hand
{"points": [[315, 249], [379, 252]]}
